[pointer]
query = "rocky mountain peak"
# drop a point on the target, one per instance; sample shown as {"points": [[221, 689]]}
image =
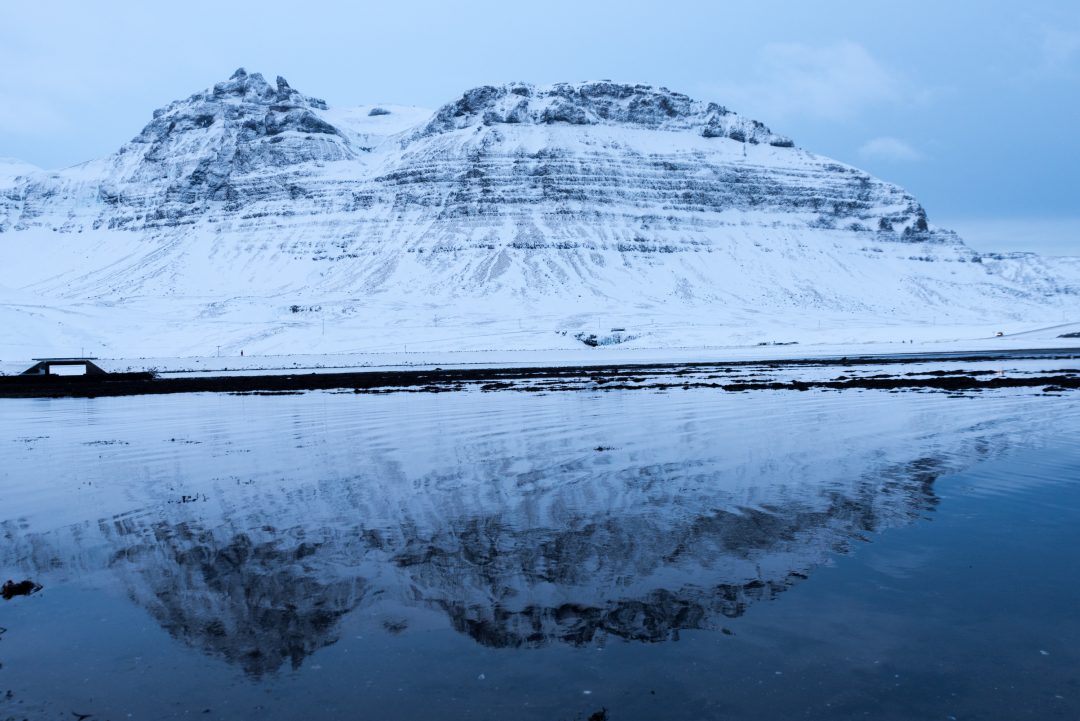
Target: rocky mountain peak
{"points": [[598, 103], [199, 145], [243, 96], [253, 88]]}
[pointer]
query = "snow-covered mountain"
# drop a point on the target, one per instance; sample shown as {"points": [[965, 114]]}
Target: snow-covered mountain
{"points": [[251, 215]]}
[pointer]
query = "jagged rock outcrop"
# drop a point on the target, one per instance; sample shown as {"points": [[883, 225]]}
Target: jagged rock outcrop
{"points": [[193, 149], [602, 103]]}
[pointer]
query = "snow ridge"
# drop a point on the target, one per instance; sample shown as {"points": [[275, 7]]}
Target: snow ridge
{"points": [[598, 103]]}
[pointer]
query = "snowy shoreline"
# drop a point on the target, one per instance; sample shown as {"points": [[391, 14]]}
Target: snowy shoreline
{"points": [[953, 372]]}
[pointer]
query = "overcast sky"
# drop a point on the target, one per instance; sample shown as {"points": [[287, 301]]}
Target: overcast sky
{"points": [[972, 106]]}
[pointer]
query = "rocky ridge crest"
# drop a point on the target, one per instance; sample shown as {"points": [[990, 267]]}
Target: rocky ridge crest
{"points": [[598, 103]]}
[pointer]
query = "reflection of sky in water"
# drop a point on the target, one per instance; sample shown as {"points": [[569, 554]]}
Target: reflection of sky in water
{"points": [[279, 535]]}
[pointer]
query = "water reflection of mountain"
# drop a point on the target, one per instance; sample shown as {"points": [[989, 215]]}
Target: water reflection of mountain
{"points": [[641, 580], [257, 604], [522, 549], [261, 596]]}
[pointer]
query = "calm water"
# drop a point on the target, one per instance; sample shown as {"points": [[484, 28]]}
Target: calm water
{"points": [[682, 555]]}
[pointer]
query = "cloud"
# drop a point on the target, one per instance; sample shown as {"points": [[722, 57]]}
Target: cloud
{"points": [[834, 82], [887, 148]]}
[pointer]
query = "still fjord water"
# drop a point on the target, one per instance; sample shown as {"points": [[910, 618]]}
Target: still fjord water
{"points": [[679, 555]]}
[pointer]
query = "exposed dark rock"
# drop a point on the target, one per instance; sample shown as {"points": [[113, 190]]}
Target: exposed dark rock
{"points": [[598, 103], [11, 589]]}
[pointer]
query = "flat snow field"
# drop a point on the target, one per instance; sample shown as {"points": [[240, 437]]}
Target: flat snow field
{"points": [[923, 341]]}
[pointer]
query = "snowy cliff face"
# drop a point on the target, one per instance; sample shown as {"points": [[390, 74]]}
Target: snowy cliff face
{"points": [[192, 150], [190, 155], [559, 202]]}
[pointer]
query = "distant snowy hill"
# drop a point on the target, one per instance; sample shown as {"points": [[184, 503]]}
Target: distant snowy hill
{"points": [[252, 216]]}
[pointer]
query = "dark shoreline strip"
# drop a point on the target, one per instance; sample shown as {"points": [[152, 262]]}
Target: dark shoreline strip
{"points": [[614, 377]]}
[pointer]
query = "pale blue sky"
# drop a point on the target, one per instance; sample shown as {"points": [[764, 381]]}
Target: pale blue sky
{"points": [[972, 106]]}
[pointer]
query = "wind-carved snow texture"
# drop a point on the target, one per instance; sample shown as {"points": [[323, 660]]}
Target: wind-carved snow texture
{"points": [[555, 205]]}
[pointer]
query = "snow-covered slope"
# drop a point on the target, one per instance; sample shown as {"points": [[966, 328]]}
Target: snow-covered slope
{"points": [[250, 215]]}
